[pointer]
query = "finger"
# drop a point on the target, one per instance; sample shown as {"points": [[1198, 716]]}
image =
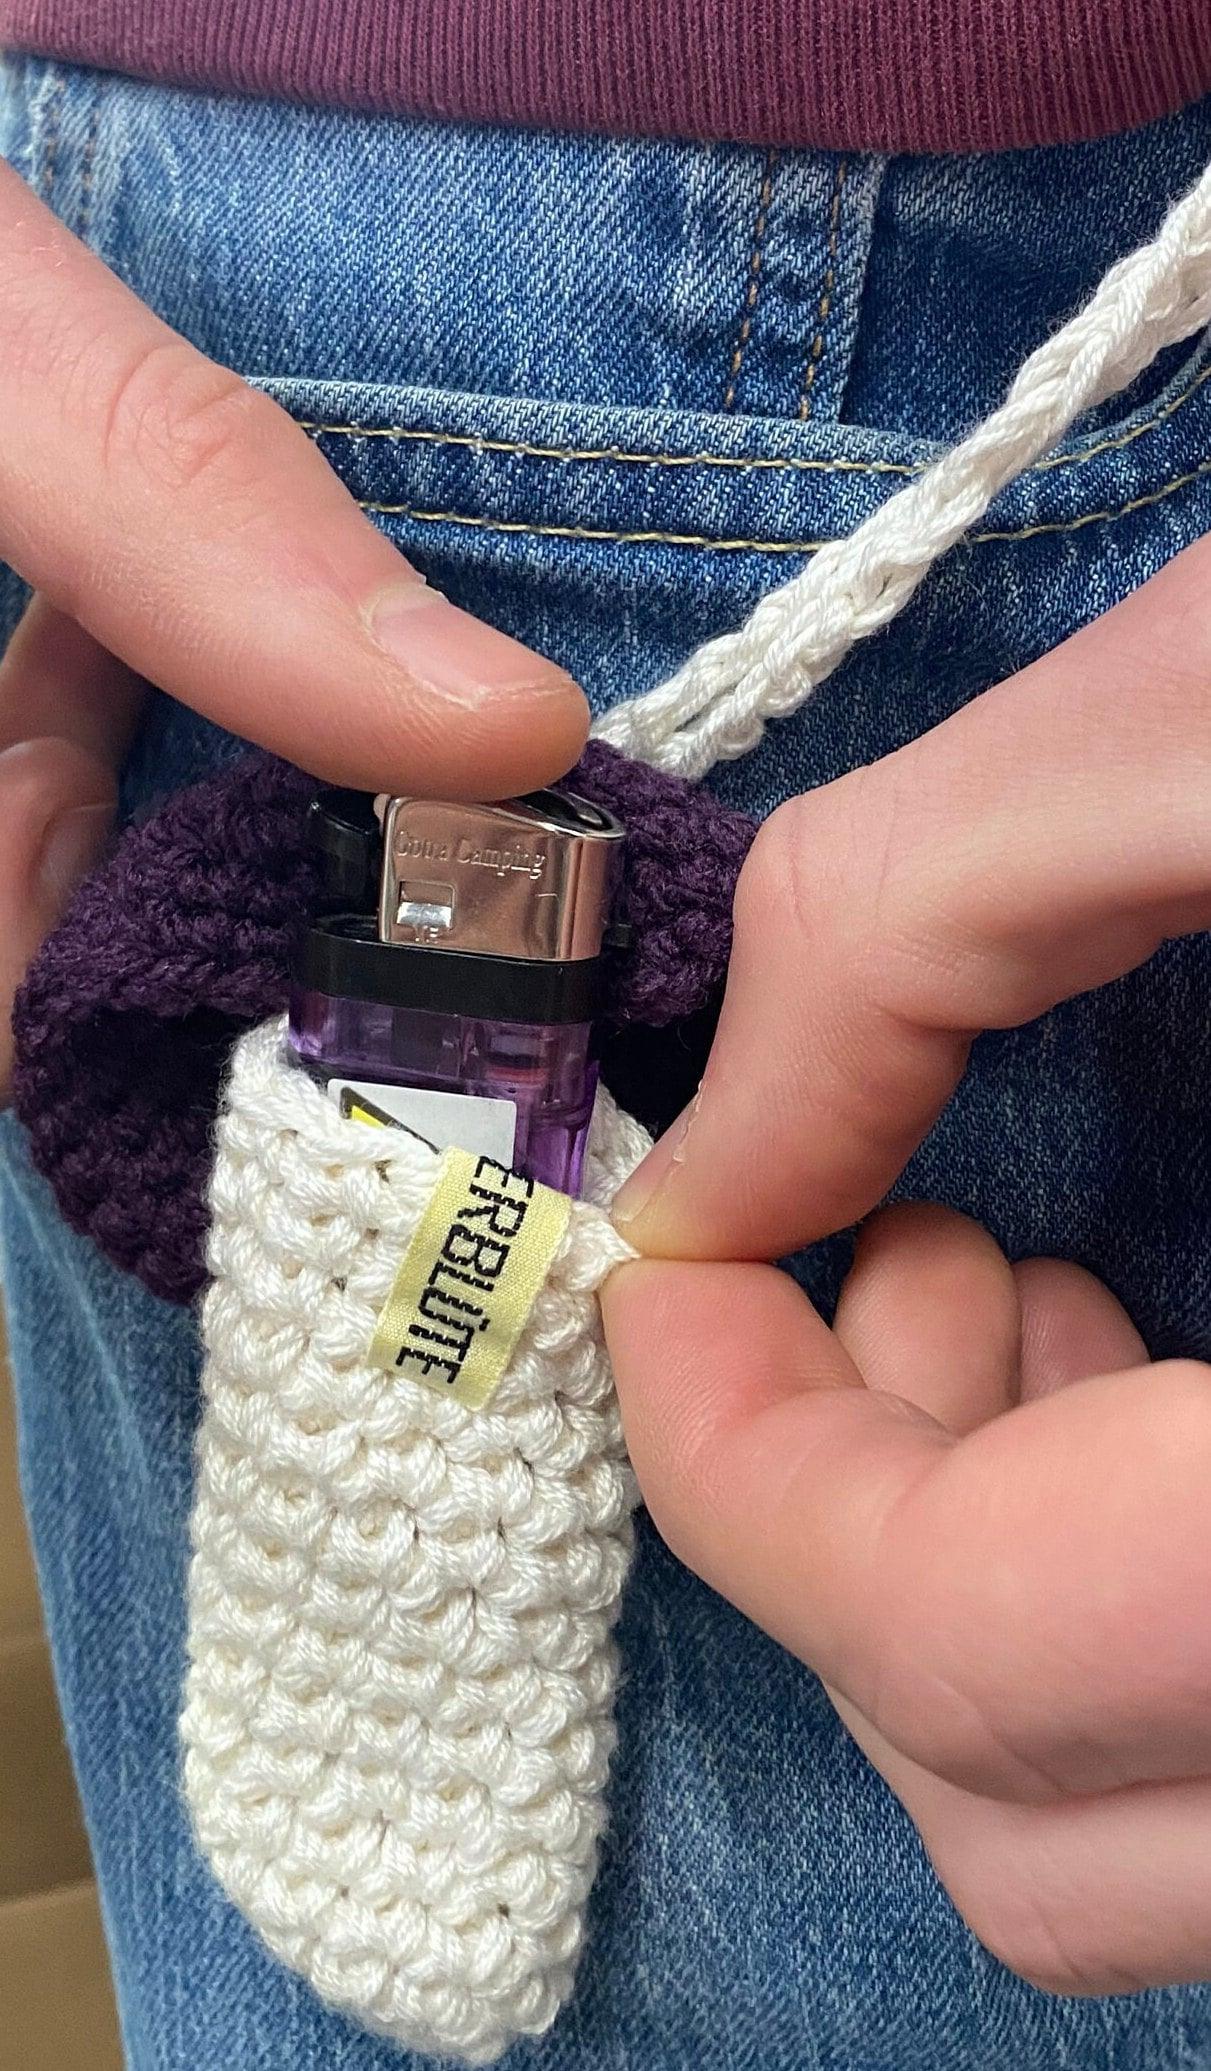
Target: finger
{"points": [[1098, 1894], [1021, 1610], [195, 532], [930, 1311], [1072, 1327], [1041, 841], [57, 804], [67, 711], [55, 680]]}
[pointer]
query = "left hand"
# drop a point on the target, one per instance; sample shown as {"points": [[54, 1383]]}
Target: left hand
{"points": [[179, 528], [974, 1508]]}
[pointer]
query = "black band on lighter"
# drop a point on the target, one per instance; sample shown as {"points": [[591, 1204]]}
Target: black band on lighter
{"points": [[342, 957]]}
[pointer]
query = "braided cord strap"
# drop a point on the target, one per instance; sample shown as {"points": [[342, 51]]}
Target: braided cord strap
{"points": [[716, 706], [398, 1715]]}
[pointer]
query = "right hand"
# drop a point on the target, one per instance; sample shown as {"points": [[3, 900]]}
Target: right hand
{"points": [[176, 527], [974, 1507]]}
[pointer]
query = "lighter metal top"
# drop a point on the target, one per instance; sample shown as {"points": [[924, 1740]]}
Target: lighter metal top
{"points": [[531, 878]]}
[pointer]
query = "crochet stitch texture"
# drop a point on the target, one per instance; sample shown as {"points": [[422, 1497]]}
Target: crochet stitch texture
{"points": [[124, 1025], [126, 1019], [398, 1710]]}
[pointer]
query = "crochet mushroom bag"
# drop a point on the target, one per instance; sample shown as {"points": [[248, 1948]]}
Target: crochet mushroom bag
{"points": [[397, 1720]]}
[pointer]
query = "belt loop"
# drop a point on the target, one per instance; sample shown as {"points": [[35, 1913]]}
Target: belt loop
{"points": [[813, 222]]}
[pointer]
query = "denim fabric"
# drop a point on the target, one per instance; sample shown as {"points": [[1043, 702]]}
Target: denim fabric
{"points": [[606, 394]]}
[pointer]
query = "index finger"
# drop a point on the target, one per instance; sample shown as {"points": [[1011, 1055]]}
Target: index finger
{"points": [[185, 521], [1020, 1610], [1042, 841]]}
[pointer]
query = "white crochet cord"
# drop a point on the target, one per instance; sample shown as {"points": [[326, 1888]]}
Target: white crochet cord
{"points": [[716, 706], [398, 1711], [398, 1717]]}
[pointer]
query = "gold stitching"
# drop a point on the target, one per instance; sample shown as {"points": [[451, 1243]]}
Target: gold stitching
{"points": [[527, 450], [1118, 440], [768, 546], [54, 130], [756, 261], [88, 172], [742, 463], [816, 349], [542, 531], [1142, 502]]}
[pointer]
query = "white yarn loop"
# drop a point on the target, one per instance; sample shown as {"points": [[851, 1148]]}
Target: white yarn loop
{"points": [[398, 1712], [716, 706]]}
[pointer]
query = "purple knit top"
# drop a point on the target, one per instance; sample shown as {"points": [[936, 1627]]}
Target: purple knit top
{"points": [[183, 939], [849, 75]]}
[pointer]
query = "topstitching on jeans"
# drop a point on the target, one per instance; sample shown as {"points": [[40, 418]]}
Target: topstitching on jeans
{"points": [[815, 351], [752, 290], [538, 530], [52, 132], [527, 449]]}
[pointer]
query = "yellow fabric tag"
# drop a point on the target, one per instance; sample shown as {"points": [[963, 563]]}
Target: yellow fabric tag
{"points": [[469, 1278]]}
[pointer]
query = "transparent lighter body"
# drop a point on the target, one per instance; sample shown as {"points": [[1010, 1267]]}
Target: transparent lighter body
{"points": [[548, 1072]]}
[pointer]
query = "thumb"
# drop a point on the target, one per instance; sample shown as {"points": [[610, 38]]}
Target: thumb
{"points": [[194, 531]]}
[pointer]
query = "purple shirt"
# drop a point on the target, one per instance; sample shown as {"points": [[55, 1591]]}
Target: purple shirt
{"points": [[885, 75]]}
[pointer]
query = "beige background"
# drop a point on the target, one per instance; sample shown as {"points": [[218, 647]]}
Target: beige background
{"points": [[56, 2008]]}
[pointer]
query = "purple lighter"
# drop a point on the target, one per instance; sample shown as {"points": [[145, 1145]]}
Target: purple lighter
{"points": [[450, 983]]}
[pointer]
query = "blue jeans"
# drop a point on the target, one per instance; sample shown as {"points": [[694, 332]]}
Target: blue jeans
{"points": [[606, 394]]}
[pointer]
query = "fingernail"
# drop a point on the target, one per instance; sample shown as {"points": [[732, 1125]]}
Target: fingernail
{"points": [[646, 1183], [73, 844], [458, 654]]}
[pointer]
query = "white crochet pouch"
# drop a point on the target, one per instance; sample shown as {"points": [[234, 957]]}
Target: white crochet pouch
{"points": [[397, 1723]]}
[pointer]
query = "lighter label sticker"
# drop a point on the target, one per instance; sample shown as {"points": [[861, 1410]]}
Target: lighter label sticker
{"points": [[448, 1121], [469, 1278]]}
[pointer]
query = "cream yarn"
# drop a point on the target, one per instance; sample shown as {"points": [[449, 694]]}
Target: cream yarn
{"points": [[716, 706], [398, 1712], [398, 1709]]}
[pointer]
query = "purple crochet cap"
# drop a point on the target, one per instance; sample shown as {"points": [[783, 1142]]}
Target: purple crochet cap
{"points": [[182, 939]]}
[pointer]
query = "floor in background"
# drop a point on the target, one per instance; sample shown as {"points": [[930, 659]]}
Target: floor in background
{"points": [[56, 2007]]}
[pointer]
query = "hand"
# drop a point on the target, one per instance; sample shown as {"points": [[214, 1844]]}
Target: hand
{"points": [[975, 1509], [178, 527]]}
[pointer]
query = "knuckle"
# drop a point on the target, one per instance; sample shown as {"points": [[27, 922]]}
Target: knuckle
{"points": [[781, 879], [836, 865], [944, 1737], [181, 421], [1168, 653], [931, 1699], [1055, 1944], [947, 1734]]}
